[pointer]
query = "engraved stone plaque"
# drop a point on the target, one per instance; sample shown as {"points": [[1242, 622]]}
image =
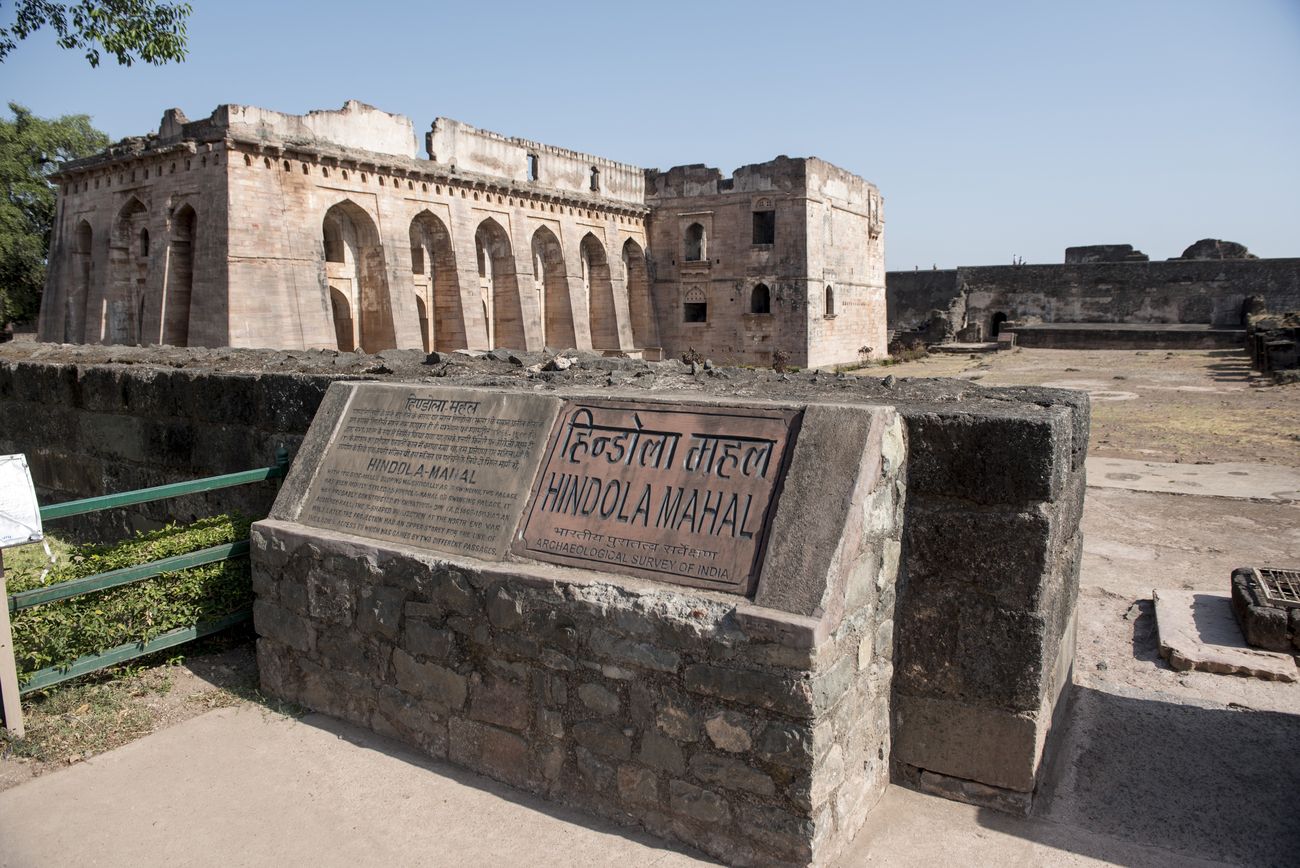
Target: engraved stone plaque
{"points": [[435, 468], [671, 492]]}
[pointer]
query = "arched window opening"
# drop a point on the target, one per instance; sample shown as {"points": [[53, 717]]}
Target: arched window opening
{"points": [[334, 249], [760, 299], [830, 301], [499, 287], [422, 311], [118, 320], [599, 289], [999, 319], [436, 284], [72, 323], [645, 331], [355, 266], [695, 307], [342, 312], [550, 281], [695, 243], [595, 180], [179, 291]]}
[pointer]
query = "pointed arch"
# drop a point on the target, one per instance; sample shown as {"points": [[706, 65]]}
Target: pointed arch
{"points": [[499, 286], [599, 290], [179, 289], [350, 235], [436, 284], [122, 316], [82, 256], [551, 283], [645, 332], [696, 245], [760, 299], [341, 311]]}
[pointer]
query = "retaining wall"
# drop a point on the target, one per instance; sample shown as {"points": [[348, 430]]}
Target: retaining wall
{"points": [[980, 644]]}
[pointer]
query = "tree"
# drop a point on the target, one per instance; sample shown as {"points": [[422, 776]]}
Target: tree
{"points": [[30, 149], [130, 30]]}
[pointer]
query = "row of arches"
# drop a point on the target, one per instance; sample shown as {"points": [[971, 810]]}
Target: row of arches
{"points": [[362, 307], [124, 306]]}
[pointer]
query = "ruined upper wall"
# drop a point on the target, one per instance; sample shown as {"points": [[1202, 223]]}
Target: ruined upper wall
{"points": [[470, 149], [798, 175], [356, 125]]}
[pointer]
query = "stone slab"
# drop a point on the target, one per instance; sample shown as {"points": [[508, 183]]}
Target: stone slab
{"points": [[1229, 479], [436, 468], [679, 493], [1199, 631]]}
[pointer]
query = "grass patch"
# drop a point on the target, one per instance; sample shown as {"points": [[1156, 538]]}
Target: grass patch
{"points": [[56, 634], [90, 716]]}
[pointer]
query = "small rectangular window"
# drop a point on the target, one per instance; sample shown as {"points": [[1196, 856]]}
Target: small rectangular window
{"points": [[695, 311], [532, 167], [764, 227]]}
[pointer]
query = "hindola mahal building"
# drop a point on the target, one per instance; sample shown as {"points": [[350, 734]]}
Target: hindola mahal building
{"points": [[252, 228]]}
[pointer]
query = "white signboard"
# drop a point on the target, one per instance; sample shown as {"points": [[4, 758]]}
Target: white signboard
{"points": [[20, 514]]}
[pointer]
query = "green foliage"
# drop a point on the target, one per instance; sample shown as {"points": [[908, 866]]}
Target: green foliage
{"points": [[55, 634], [30, 149], [130, 30]]}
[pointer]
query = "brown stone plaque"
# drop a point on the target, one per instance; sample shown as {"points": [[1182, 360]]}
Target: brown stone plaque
{"points": [[443, 469], [676, 493]]}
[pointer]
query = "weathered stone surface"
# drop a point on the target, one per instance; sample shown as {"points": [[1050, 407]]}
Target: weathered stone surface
{"points": [[642, 654], [730, 773], [277, 623], [638, 786], [1198, 631], [697, 804], [762, 689], [662, 753], [423, 640], [960, 740], [379, 611], [501, 702], [504, 611], [429, 680], [497, 753], [787, 744], [603, 739], [729, 731], [598, 699]]}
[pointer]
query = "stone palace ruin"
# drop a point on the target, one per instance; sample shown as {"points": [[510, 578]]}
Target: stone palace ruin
{"points": [[252, 228]]}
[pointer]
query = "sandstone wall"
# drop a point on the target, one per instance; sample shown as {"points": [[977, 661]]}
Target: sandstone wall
{"points": [[469, 149], [828, 234], [1172, 291], [105, 285]]}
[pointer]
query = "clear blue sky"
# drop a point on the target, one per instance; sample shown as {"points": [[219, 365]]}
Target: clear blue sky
{"points": [[993, 129]]}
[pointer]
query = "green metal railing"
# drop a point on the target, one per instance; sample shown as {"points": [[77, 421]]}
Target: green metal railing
{"points": [[44, 678]]}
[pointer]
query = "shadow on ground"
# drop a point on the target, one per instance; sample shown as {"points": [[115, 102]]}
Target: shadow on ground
{"points": [[372, 741], [1209, 782]]}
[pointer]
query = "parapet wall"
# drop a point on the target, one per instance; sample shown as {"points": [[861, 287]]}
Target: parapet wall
{"points": [[1172, 291], [977, 652], [470, 149]]}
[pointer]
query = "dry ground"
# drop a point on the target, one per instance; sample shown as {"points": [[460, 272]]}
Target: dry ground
{"points": [[1188, 406]]}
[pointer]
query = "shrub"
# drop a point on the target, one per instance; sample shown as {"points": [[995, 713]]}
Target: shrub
{"points": [[55, 634]]}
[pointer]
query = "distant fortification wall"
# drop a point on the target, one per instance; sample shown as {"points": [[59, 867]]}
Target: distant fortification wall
{"points": [[1174, 291]]}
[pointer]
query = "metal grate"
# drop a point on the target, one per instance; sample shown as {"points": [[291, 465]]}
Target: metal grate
{"points": [[1279, 587]]}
